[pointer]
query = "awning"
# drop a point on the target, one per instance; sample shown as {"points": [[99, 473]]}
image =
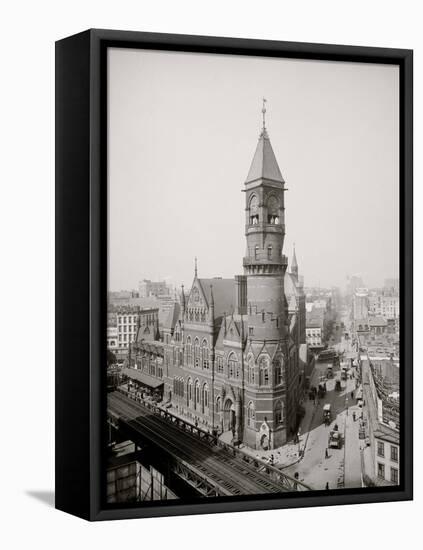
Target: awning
{"points": [[142, 377]]}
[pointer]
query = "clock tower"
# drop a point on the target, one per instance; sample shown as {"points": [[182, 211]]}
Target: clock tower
{"points": [[266, 354]]}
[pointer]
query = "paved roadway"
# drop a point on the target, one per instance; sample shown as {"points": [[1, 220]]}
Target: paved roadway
{"points": [[231, 474], [343, 466]]}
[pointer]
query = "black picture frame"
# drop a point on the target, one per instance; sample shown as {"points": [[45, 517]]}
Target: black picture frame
{"points": [[81, 259]]}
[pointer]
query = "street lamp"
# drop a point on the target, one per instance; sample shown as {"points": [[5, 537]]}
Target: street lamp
{"points": [[298, 437]]}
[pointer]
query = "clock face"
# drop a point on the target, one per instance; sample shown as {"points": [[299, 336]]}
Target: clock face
{"points": [[254, 205], [273, 205]]}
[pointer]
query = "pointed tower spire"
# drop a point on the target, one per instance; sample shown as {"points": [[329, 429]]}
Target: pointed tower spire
{"points": [[182, 300], [264, 165], [195, 268], [294, 264], [211, 303]]}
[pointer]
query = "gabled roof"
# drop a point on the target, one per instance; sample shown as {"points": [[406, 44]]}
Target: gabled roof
{"points": [[223, 294], [264, 165], [172, 317], [235, 322], [290, 285]]}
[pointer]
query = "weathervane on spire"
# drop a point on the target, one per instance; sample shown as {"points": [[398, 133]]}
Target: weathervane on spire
{"points": [[263, 110]]}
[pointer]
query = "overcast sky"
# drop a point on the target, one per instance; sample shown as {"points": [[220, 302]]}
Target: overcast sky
{"points": [[183, 129]]}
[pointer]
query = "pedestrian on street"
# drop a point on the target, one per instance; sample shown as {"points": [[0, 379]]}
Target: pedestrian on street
{"points": [[327, 486], [352, 395], [326, 453]]}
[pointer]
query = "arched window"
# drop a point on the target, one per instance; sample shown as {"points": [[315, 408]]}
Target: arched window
{"points": [[196, 353], [251, 377], [254, 215], [277, 367], [205, 397], [269, 252], [189, 392], [251, 415], [189, 351], [232, 365], [264, 371], [256, 251], [278, 413], [197, 394], [218, 404], [205, 354], [220, 364]]}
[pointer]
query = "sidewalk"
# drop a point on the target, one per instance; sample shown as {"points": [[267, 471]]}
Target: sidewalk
{"points": [[353, 466], [287, 455]]}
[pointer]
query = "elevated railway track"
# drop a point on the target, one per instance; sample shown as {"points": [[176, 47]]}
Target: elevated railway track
{"points": [[212, 467]]}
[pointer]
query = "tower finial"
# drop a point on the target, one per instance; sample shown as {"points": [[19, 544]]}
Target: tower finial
{"points": [[263, 111], [195, 270]]}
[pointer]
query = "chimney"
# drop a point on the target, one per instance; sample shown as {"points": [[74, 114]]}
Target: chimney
{"points": [[241, 294]]}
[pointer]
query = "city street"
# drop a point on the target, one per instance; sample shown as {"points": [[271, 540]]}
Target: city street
{"points": [[342, 468]]}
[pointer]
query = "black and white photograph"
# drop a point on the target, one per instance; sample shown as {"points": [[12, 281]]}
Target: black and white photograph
{"points": [[253, 279]]}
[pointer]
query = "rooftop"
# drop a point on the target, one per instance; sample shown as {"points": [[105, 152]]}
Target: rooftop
{"points": [[264, 164], [223, 294]]}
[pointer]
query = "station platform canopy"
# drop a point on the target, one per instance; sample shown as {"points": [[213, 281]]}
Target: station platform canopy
{"points": [[142, 378]]}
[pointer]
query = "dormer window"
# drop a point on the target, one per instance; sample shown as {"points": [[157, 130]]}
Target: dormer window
{"points": [[254, 219]]}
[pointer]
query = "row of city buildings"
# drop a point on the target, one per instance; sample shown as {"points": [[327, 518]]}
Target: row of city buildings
{"points": [[379, 361], [375, 315]]}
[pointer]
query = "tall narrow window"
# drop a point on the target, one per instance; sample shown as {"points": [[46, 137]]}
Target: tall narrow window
{"points": [[189, 392], [278, 371], [254, 218], [264, 371], [232, 365], [205, 354], [256, 249], [196, 353], [278, 413], [189, 351], [269, 252], [251, 415], [251, 370], [197, 395]]}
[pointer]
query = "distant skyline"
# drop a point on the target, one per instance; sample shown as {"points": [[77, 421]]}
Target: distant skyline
{"points": [[182, 133]]}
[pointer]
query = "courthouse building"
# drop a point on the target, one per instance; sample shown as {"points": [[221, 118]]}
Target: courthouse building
{"points": [[231, 346]]}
